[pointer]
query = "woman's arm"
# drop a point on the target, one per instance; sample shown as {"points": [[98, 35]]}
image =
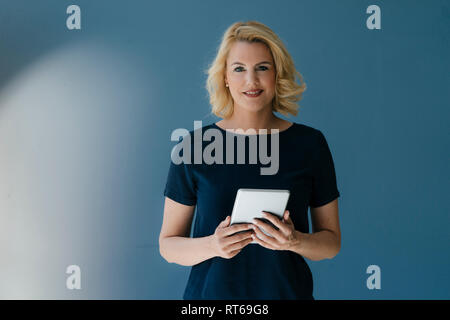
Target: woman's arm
{"points": [[176, 246], [325, 241]]}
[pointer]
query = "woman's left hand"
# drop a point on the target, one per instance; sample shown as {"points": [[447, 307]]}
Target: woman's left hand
{"points": [[282, 239]]}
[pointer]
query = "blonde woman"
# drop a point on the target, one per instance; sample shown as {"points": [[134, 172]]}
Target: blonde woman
{"points": [[252, 77]]}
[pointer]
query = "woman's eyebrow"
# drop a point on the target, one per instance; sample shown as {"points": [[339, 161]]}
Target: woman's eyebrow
{"points": [[237, 62]]}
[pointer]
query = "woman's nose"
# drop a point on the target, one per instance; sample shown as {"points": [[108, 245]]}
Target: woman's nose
{"points": [[252, 78]]}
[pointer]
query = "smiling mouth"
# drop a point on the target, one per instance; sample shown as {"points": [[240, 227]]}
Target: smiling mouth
{"points": [[253, 94]]}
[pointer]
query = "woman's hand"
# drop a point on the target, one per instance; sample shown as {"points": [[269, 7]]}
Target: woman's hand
{"points": [[225, 243], [282, 239]]}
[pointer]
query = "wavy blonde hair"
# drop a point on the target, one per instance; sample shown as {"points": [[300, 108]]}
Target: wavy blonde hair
{"points": [[287, 90]]}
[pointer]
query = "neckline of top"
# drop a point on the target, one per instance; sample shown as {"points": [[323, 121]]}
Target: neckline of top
{"points": [[258, 134]]}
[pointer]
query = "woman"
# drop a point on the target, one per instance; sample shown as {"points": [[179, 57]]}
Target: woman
{"points": [[252, 77]]}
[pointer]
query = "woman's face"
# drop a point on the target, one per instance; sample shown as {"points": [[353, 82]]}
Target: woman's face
{"points": [[250, 67]]}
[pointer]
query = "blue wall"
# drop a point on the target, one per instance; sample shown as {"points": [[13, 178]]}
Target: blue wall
{"points": [[86, 117]]}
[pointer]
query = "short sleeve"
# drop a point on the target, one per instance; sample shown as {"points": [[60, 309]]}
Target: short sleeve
{"points": [[180, 185], [324, 186]]}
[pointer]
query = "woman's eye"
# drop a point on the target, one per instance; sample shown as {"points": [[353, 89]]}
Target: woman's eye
{"points": [[238, 69]]}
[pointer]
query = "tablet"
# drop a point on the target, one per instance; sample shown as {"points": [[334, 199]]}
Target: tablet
{"points": [[250, 203]]}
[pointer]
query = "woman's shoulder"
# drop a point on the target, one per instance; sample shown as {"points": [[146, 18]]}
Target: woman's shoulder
{"points": [[306, 130]]}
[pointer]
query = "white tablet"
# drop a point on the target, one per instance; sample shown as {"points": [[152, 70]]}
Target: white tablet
{"points": [[250, 203]]}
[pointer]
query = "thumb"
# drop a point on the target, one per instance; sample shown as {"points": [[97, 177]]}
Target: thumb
{"points": [[225, 222], [286, 215]]}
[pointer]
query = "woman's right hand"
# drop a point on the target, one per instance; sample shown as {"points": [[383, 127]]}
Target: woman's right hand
{"points": [[225, 243]]}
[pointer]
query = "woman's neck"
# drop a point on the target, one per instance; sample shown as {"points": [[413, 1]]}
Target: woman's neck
{"points": [[263, 121]]}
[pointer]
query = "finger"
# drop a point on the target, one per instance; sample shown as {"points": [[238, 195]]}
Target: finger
{"points": [[277, 222], [237, 227], [287, 218], [262, 243], [238, 245], [271, 241], [234, 253], [289, 221], [238, 237], [269, 229], [225, 222]]}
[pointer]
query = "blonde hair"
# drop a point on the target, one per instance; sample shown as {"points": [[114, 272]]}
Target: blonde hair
{"points": [[287, 90]]}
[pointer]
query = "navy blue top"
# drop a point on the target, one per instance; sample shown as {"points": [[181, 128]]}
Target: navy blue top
{"points": [[306, 168]]}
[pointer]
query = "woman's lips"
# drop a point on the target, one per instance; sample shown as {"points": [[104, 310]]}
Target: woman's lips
{"points": [[252, 94]]}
